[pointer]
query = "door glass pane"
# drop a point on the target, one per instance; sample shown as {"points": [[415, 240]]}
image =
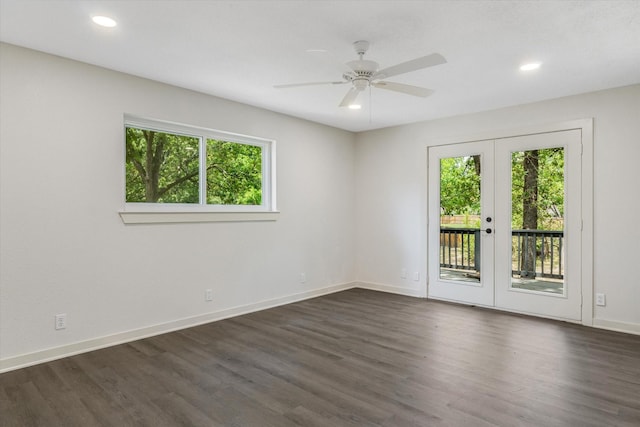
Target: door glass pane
{"points": [[460, 218], [537, 220]]}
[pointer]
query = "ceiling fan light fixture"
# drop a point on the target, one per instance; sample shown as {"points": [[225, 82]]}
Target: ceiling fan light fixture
{"points": [[360, 83]]}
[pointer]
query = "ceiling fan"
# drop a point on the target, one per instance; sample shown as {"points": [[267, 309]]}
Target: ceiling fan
{"points": [[365, 73]]}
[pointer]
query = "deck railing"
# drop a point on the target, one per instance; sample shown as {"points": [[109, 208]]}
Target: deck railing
{"points": [[460, 250], [547, 256]]}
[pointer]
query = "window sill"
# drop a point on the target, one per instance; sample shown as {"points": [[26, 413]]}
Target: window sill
{"points": [[184, 217]]}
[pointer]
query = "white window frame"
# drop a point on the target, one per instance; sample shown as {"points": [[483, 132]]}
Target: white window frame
{"points": [[140, 212]]}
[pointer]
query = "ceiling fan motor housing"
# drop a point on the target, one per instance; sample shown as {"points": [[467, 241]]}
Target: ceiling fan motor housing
{"points": [[362, 72]]}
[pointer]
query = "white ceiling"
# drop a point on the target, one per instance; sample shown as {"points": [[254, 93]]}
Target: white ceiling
{"points": [[239, 49]]}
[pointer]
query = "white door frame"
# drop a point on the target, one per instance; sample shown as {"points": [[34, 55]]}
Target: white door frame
{"points": [[565, 306], [477, 293], [586, 264]]}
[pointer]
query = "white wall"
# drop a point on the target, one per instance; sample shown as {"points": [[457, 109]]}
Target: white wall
{"points": [[64, 249], [391, 183]]}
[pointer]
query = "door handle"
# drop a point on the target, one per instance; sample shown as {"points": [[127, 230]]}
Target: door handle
{"points": [[488, 230]]}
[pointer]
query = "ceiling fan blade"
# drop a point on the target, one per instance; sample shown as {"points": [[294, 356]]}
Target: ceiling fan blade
{"points": [[308, 84], [413, 65], [350, 97], [400, 87]]}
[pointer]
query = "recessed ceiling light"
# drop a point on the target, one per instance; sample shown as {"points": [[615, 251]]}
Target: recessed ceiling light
{"points": [[104, 21], [355, 106], [530, 66]]}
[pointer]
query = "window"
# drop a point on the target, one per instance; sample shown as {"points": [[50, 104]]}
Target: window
{"points": [[177, 168]]}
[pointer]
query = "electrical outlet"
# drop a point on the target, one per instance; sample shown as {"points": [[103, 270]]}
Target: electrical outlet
{"points": [[208, 295], [601, 299], [303, 278], [416, 276], [61, 321], [403, 273]]}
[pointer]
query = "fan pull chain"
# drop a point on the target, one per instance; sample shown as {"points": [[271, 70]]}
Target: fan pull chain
{"points": [[370, 105]]}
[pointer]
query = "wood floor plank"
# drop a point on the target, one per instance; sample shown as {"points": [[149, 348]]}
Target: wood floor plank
{"points": [[354, 358]]}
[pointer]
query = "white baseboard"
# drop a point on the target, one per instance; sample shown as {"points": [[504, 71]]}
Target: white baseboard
{"points": [[47, 355], [612, 325], [390, 289], [29, 359]]}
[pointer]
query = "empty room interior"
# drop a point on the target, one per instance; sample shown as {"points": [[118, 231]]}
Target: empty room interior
{"points": [[319, 213]]}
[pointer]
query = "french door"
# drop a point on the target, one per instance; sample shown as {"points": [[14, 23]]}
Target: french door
{"points": [[505, 223]]}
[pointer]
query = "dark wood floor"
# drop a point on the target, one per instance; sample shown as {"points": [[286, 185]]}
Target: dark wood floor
{"points": [[353, 358]]}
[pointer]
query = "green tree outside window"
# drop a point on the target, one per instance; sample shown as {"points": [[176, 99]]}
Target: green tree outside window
{"points": [[165, 167]]}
